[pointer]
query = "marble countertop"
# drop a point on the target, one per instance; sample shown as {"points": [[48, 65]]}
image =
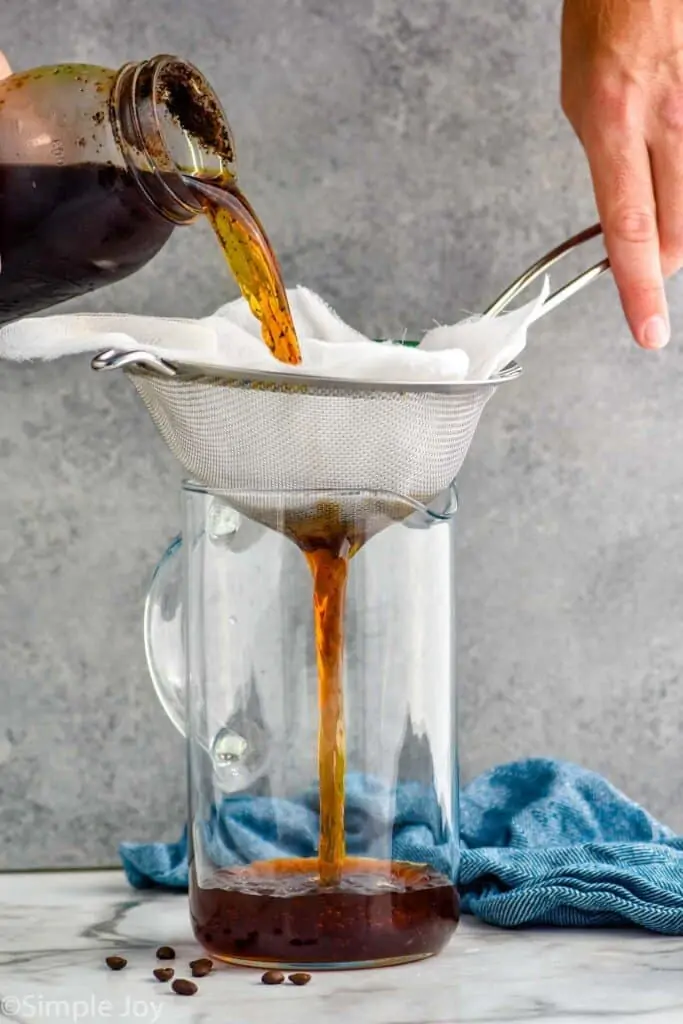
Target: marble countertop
{"points": [[57, 928]]}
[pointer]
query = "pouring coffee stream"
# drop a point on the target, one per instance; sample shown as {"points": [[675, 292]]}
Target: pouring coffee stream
{"points": [[327, 548], [252, 261]]}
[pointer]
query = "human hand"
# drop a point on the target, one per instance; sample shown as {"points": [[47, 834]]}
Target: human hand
{"points": [[5, 69], [622, 90]]}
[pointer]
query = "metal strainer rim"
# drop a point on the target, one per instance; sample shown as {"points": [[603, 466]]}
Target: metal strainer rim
{"points": [[146, 364]]}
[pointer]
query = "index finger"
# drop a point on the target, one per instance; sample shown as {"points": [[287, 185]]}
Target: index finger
{"points": [[5, 69], [622, 179]]}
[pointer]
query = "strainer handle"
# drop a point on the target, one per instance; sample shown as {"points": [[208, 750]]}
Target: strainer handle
{"points": [[543, 265], [113, 359]]}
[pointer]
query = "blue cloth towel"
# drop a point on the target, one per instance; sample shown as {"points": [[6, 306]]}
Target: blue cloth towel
{"points": [[542, 842]]}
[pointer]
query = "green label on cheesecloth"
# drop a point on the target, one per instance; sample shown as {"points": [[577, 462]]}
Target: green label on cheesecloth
{"points": [[408, 344]]}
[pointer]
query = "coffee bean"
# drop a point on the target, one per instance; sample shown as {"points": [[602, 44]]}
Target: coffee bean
{"points": [[182, 987], [163, 973], [116, 963], [300, 978], [200, 968], [166, 953], [272, 978]]}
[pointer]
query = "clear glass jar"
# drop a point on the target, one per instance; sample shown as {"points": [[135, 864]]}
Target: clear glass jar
{"points": [[91, 164], [231, 645]]}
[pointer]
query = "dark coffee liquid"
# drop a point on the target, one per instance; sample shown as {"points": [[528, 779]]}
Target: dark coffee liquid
{"points": [[65, 231], [277, 913]]}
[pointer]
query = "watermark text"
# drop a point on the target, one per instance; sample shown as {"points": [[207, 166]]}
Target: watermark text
{"points": [[40, 1007]]}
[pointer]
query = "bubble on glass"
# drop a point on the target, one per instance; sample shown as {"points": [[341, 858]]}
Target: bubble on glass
{"points": [[223, 522], [239, 758], [228, 747]]}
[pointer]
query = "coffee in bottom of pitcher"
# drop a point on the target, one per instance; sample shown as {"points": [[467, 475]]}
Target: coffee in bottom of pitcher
{"points": [[276, 913]]}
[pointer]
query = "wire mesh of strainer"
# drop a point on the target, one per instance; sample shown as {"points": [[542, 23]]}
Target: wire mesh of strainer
{"points": [[335, 440], [342, 438]]}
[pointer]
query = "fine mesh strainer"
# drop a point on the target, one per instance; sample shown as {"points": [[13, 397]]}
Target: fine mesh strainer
{"points": [[346, 453], [333, 437]]}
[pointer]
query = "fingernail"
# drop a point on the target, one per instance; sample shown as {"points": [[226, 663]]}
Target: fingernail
{"points": [[655, 333]]}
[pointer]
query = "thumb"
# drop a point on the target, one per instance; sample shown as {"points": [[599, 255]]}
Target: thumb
{"points": [[5, 69]]}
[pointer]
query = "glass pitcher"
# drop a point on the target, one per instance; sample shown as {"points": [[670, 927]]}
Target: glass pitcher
{"points": [[231, 647]]}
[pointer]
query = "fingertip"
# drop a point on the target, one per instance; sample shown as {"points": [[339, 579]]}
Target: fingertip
{"points": [[654, 334]]}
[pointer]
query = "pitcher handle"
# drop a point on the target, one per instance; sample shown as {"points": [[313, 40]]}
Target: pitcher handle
{"points": [[163, 634]]}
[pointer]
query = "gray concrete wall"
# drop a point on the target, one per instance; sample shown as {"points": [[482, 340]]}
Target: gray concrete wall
{"points": [[408, 159]]}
